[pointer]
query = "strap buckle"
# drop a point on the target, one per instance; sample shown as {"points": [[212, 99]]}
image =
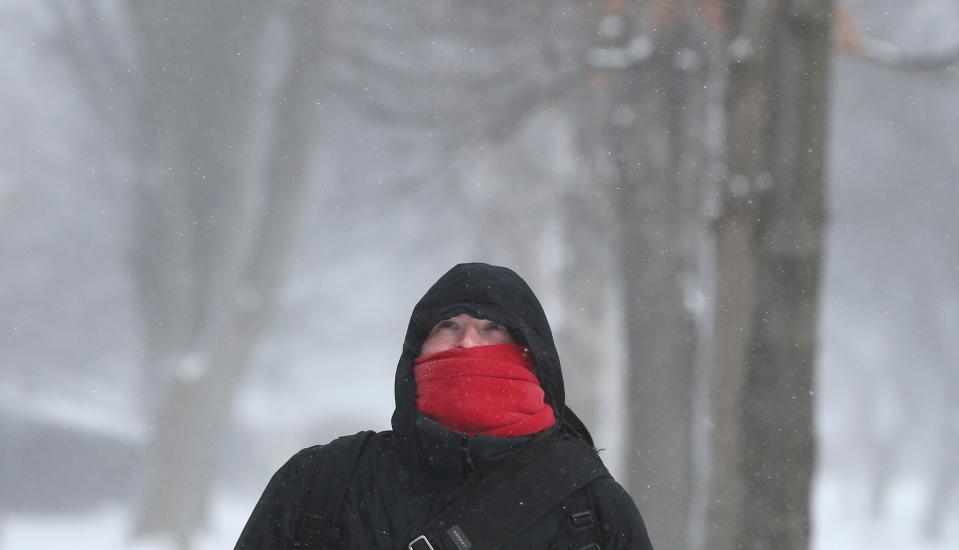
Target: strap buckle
{"points": [[582, 520], [416, 544]]}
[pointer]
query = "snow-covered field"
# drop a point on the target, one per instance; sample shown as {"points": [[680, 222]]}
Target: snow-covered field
{"points": [[842, 521]]}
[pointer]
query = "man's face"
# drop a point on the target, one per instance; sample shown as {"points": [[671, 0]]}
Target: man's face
{"points": [[464, 331]]}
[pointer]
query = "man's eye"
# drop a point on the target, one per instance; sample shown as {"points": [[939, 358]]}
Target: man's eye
{"points": [[494, 326], [446, 324]]}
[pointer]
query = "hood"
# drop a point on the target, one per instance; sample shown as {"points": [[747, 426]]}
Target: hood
{"points": [[485, 292]]}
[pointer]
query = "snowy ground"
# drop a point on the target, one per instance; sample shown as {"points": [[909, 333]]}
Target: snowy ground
{"points": [[841, 520], [840, 524]]}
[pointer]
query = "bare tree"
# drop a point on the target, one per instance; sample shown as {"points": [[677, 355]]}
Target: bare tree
{"points": [[769, 241], [651, 68], [217, 216]]}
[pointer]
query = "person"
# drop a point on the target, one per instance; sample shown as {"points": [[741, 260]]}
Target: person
{"points": [[483, 451]]}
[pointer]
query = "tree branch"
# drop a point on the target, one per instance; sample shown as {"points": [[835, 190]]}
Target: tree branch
{"points": [[851, 41], [890, 55]]}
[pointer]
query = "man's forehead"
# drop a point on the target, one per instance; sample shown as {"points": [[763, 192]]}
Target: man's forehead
{"points": [[465, 317], [472, 311]]}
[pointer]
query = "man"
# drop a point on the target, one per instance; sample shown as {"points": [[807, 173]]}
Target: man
{"points": [[483, 453]]}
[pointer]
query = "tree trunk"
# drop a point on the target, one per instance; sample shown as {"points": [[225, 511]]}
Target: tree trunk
{"points": [[769, 241], [232, 267], [655, 116], [584, 334]]}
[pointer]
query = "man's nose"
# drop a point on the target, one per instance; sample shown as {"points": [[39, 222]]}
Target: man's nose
{"points": [[471, 338]]}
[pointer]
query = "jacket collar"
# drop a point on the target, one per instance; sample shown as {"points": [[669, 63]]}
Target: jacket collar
{"points": [[453, 454]]}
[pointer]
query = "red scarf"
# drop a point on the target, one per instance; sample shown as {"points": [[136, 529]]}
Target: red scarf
{"points": [[483, 390]]}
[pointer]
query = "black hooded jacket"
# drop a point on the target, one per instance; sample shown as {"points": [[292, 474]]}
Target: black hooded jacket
{"points": [[406, 476]]}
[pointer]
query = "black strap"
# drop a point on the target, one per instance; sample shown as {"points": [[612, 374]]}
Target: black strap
{"points": [[513, 496], [582, 525], [330, 477]]}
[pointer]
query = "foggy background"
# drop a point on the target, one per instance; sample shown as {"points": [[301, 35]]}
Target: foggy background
{"points": [[217, 215]]}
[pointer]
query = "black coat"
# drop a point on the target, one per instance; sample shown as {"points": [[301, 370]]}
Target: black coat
{"points": [[405, 476]]}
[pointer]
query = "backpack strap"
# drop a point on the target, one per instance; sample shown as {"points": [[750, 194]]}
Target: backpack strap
{"points": [[512, 497], [581, 523], [330, 476]]}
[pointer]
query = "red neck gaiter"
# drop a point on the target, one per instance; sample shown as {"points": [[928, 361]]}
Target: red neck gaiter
{"points": [[483, 390]]}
